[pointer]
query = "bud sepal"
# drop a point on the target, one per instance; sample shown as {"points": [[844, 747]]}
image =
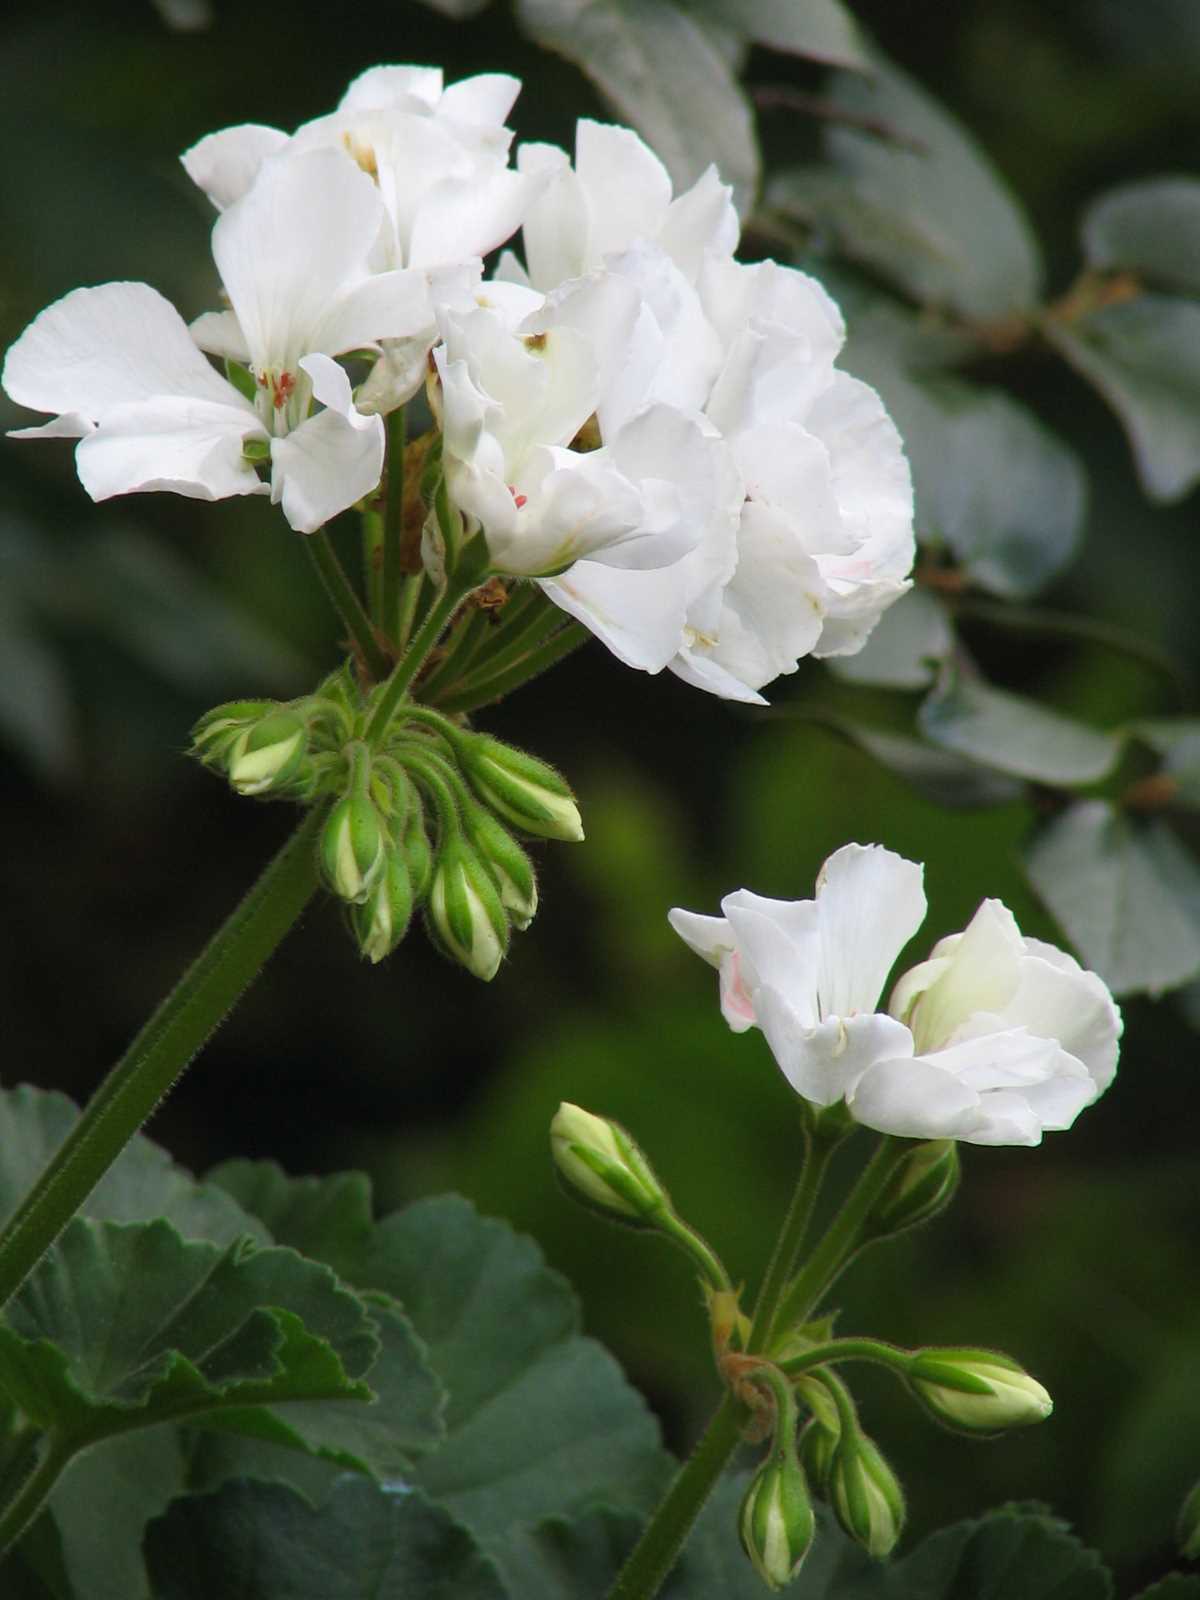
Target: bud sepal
{"points": [[465, 914], [977, 1391], [353, 841], [604, 1168], [518, 787]]}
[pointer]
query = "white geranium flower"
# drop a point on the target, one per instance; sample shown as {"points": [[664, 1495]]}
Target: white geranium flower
{"points": [[119, 365], [993, 1040], [439, 159], [520, 377], [618, 193]]}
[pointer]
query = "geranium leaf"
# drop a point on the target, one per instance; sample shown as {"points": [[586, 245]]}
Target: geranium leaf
{"points": [[1144, 358], [1126, 893], [664, 75], [821, 29], [364, 1543], [919, 203], [1151, 228], [1015, 735]]}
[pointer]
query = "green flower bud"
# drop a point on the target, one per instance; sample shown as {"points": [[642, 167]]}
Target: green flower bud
{"points": [[776, 1520], [418, 851], [922, 1185], [354, 843], [269, 757], [218, 730], [817, 1448], [1189, 1526], [603, 1167], [977, 1391], [465, 914], [509, 865], [523, 790], [865, 1494], [381, 922]]}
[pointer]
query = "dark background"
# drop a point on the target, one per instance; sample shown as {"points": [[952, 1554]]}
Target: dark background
{"points": [[120, 624]]}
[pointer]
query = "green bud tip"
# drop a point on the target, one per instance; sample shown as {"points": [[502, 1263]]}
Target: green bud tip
{"points": [[268, 754], [465, 911], [866, 1494], [353, 843], [521, 789], [604, 1167], [510, 867], [381, 922], [977, 1391], [776, 1522]]}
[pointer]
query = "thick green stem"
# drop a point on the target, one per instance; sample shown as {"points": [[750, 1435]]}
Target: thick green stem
{"points": [[413, 659], [658, 1549], [346, 603], [883, 1355], [160, 1053], [840, 1242], [372, 543], [28, 1501], [393, 527]]}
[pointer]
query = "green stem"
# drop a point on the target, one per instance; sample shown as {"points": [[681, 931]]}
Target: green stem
{"points": [[818, 1149], [372, 542], [346, 603], [27, 1502], [160, 1053], [883, 1355], [393, 527], [842, 1239], [482, 691], [703, 1255], [658, 1549], [413, 659], [411, 591]]}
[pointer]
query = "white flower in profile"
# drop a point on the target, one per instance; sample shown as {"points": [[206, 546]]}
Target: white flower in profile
{"points": [[520, 378], [994, 1040], [119, 366]]}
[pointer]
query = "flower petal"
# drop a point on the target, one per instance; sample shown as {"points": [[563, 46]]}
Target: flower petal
{"points": [[190, 447], [870, 902], [918, 1100], [225, 164], [332, 459], [96, 349], [826, 1062]]}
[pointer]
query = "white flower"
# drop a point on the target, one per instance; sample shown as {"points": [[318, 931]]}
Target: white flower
{"points": [[520, 377], [993, 1040], [119, 365]]}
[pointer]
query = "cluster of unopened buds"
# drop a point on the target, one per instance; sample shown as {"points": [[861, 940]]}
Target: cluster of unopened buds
{"points": [[423, 816]]}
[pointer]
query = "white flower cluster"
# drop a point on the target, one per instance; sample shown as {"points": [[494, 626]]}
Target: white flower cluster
{"points": [[993, 1040], [654, 431]]}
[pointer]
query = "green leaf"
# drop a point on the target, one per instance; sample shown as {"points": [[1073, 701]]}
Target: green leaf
{"points": [[143, 1183], [822, 29], [664, 75], [1008, 1555], [1126, 893], [1175, 1586], [905, 646], [327, 1219], [571, 1560], [1152, 228], [264, 1542], [102, 1503], [1177, 741], [991, 483], [1015, 735], [1144, 358], [920, 204], [189, 1329], [945, 778], [540, 1421]]}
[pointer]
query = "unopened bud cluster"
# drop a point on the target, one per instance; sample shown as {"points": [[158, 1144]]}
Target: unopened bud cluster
{"points": [[425, 816]]}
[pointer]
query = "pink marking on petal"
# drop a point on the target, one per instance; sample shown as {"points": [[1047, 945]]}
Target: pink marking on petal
{"points": [[737, 996]]}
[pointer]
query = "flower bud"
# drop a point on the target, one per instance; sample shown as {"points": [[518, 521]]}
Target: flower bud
{"points": [[354, 844], [922, 1185], [523, 790], [269, 757], [511, 868], [1189, 1526], [776, 1520], [219, 729], [865, 1494], [604, 1168], [817, 1447], [382, 920], [465, 914], [977, 1391], [418, 851]]}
